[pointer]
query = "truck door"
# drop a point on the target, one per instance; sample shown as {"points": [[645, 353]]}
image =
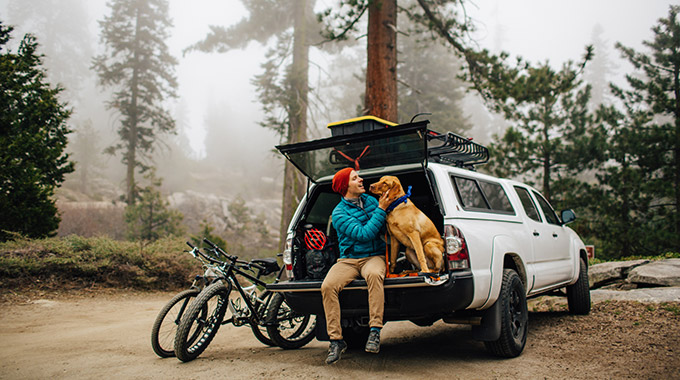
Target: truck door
{"points": [[555, 242], [550, 245]]}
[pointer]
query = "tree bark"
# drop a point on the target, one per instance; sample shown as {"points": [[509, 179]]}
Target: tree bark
{"points": [[293, 182], [676, 152], [381, 70], [132, 128]]}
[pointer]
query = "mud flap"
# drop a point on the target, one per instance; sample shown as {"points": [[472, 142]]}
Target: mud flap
{"points": [[490, 328]]}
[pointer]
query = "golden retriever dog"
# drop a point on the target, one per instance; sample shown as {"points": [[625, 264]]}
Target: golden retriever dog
{"points": [[412, 228]]}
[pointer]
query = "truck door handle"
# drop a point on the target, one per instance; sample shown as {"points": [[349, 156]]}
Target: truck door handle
{"points": [[536, 233], [554, 235]]}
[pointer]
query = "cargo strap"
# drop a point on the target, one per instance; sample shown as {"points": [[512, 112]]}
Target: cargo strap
{"points": [[367, 149], [387, 264]]}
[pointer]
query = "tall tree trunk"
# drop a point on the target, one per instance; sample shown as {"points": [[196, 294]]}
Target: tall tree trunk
{"points": [[132, 129], [381, 70], [293, 182], [547, 157], [676, 153]]}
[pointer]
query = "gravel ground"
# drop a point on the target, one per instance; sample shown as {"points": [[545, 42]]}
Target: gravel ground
{"points": [[104, 334]]}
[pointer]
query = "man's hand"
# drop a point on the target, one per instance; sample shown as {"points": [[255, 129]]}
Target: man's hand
{"points": [[385, 201]]}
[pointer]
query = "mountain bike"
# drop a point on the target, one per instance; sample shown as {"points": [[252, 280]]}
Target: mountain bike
{"points": [[165, 326], [261, 310]]}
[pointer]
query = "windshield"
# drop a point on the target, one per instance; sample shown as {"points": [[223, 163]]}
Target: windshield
{"points": [[401, 144]]}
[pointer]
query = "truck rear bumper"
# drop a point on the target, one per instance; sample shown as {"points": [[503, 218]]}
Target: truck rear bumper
{"points": [[405, 297]]}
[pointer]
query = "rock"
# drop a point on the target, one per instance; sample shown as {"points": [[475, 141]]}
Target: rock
{"points": [[604, 273], [655, 295], [657, 273]]}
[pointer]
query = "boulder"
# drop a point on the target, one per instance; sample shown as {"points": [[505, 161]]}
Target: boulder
{"points": [[657, 273], [605, 273], [655, 295]]}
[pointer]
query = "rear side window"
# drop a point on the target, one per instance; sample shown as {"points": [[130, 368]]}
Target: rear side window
{"points": [[527, 203], [547, 209], [479, 195], [496, 196]]}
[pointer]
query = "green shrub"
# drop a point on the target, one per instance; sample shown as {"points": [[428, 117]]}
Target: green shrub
{"points": [[74, 262]]}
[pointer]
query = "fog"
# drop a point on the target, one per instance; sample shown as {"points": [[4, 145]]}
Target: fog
{"points": [[220, 147]]}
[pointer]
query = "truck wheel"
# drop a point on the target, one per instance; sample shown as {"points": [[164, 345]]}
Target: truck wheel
{"points": [[578, 294], [514, 317]]}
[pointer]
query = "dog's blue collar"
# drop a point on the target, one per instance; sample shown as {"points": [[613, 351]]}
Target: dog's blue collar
{"points": [[399, 201]]}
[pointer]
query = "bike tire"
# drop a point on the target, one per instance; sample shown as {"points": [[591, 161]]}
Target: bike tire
{"points": [[204, 315], [165, 326], [262, 334], [260, 330], [289, 330]]}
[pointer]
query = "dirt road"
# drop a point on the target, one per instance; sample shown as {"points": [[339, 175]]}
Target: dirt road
{"points": [[107, 336]]}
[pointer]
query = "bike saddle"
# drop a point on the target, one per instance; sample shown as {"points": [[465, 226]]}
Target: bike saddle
{"points": [[269, 264]]}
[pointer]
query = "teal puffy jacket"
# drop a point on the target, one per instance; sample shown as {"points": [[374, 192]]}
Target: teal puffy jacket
{"points": [[359, 230]]}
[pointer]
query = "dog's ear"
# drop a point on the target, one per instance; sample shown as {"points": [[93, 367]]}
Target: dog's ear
{"points": [[394, 184], [386, 182]]}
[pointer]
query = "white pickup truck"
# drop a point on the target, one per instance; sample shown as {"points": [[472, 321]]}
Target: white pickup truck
{"points": [[504, 242]]}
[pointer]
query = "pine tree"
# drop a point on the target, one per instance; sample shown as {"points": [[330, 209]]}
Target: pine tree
{"points": [[151, 218], [282, 88], [654, 96], [549, 112], [600, 70], [62, 27], [617, 206], [33, 136], [138, 65], [429, 81]]}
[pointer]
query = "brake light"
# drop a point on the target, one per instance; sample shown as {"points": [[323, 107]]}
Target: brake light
{"points": [[456, 248], [288, 258]]}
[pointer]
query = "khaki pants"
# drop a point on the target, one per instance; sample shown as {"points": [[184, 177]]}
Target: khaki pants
{"points": [[372, 269]]}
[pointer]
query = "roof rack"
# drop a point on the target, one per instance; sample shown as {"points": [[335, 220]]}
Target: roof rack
{"points": [[456, 150]]}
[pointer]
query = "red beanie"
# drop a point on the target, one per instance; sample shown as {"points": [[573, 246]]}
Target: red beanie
{"points": [[341, 181]]}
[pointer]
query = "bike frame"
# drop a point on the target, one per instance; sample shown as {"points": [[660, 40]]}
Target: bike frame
{"points": [[229, 269]]}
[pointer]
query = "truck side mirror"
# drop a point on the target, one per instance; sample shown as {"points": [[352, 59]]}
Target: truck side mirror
{"points": [[567, 216]]}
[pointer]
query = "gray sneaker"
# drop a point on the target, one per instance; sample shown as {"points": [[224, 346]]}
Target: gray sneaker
{"points": [[336, 349], [373, 342]]}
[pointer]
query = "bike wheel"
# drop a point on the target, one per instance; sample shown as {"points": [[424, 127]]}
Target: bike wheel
{"points": [[261, 334], [165, 326], [204, 315], [288, 329], [260, 330]]}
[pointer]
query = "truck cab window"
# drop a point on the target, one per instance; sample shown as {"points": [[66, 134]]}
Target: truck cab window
{"points": [[548, 211], [527, 203]]}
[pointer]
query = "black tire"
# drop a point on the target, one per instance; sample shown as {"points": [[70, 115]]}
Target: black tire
{"points": [[204, 315], [578, 294], [287, 329], [261, 334], [165, 326], [514, 317], [259, 330]]}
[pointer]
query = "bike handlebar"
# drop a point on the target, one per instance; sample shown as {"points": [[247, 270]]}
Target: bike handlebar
{"points": [[233, 259]]}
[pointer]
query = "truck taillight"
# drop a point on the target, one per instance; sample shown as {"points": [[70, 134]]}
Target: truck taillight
{"points": [[288, 258], [456, 248]]}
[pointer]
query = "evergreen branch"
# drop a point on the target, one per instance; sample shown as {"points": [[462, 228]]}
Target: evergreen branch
{"points": [[349, 27]]}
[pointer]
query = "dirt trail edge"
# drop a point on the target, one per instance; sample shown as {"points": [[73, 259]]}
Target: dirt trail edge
{"points": [[108, 335]]}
